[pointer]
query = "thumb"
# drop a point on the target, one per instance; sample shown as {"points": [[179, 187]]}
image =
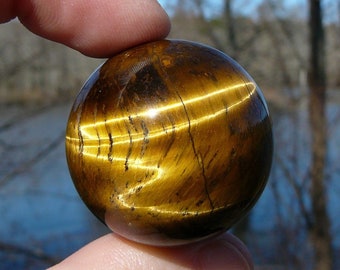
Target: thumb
{"points": [[113, 252]]}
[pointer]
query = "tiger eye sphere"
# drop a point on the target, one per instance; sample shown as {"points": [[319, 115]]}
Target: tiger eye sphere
{"points": [[169, 142]]}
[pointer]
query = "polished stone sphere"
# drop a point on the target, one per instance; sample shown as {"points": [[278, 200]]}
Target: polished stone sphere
{"points": [[169, 142]]}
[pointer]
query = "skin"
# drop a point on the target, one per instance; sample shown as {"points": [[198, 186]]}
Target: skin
{"points": [[101, 29]]}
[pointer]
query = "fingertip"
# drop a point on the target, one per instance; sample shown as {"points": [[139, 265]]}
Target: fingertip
{"points": [[96, 28], [127, 24], [224, 252]]}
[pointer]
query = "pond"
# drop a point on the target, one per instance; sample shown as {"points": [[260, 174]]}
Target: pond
{"points": [[43, 219]]}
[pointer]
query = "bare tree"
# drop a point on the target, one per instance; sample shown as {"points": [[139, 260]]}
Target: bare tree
{"points": [[231, 28], [320, 229]]}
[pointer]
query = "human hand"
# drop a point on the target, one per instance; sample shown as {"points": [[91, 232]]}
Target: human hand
{"points": [[101, 29], [94, 27], [114, 252]]}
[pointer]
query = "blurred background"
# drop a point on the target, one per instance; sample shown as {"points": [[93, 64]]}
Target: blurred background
{"points": [[292, 50]]}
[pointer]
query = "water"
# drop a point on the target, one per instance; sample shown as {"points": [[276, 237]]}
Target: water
{"points": [[42, 217], [277, 216], [43, 220]]}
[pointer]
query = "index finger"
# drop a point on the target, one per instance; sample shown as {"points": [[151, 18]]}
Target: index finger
{"points": [[94, 27]]}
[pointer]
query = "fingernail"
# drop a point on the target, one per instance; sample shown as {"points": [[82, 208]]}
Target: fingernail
{"points": [[223, 255]]}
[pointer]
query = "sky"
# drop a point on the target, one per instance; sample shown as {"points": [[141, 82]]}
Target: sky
{"points": [[331, 7], [245, 7]]}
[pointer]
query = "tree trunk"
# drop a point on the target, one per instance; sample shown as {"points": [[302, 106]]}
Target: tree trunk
{"points": [[320, 228], [230, 28]]}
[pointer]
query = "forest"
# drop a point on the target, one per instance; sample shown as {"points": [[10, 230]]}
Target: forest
{"points": [[270, 41], [292, 50]]}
